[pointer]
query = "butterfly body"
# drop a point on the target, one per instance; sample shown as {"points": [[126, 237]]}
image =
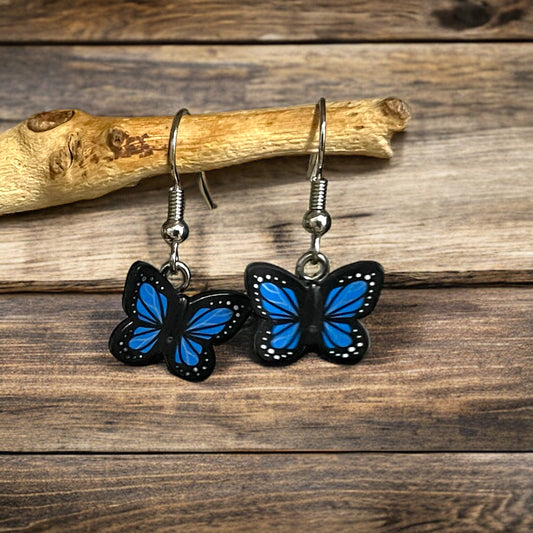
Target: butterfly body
{"points": [[312, 316], [163, 323], [298, 316]]}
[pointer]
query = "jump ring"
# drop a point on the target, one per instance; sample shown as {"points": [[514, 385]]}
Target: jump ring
{"points": [[180, 268], [310, 257]]}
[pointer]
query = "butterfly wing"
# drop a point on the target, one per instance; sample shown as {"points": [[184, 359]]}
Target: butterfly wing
{"points": [[349, 293], [148, 300], [211, 319], [276, 297]]}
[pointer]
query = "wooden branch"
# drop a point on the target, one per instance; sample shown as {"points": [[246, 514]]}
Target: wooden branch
{"points": [[58, 157]]}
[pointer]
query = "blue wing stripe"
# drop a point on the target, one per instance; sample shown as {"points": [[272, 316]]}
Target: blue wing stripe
{"points": [[347, 311], [218, 325], [163, 301], [280, 296], [349, 308], [336, 335], [143, 339], [151, 305], [146, 314], [148, 296], [140, 330], [208, 331], [141, 343], [199, 314], [147, 347], [279, 302], [328, 343], [342, 295], [157, 302], [187, 351], [341, 326], [292, 298], [276, 312], [332, 295], [281, 328], [346, 299], [210, 322], [285, 336]]}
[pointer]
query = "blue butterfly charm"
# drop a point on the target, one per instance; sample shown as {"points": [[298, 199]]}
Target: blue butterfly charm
{"points": [[164, 323], [297, 316]]}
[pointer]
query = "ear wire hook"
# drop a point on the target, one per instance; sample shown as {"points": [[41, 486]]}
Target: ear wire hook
{"points": [[316, 220], [204, 190], [175, 230], [316, 161], [202, 179]]}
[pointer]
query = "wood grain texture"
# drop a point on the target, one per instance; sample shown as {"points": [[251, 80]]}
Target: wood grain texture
{"points": [[268, 21], [455, 199], [449, 370], [290, 492]]}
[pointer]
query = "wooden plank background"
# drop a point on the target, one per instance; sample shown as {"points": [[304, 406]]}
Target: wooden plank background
{"points": [[445, 373], [271, 21], [89, 444], [457, 195], [274, 492]]}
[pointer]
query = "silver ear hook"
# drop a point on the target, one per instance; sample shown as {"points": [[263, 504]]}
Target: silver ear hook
{"points": [[316, 161], [202, 179], [316, 220], [204, 190], [175, 230]]}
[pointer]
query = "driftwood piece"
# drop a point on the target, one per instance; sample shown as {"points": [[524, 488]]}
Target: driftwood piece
{"points": [[62, 156]]}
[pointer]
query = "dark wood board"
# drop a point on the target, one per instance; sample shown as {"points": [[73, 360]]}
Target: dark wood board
{"points": [[455, 493], [452, 207], [450, 369], [267, 21]]}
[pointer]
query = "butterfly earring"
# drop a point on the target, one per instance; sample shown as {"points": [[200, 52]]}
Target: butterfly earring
{"points": [[314, 310], [164, 323]]}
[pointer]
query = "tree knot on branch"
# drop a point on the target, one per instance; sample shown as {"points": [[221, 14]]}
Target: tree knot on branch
{"points": [[48, 120]]}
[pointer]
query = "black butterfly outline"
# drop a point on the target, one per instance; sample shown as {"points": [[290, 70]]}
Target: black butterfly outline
{"points": [[165, 324], [293, 324]]}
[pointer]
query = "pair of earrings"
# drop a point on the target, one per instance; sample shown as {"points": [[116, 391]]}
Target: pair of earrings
{"points": [[310, 311]]}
